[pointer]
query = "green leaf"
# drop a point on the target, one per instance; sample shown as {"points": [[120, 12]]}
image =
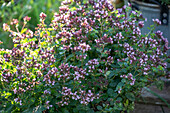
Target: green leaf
{"points": [[73, 8], [119, 99], [96, 31], [125, 64], [99, 49], [114, 66], [25, 29], [29, 110], [120, 84], [10, 108], [112, 73], [130, 96], [168, 69], [105, 96], [124, 70], [113, 83], [90, 111], [107, 73], [123, 80], [99, 107], [42, 33], [143, 79], [62, 52], [159, 84], [160, 67], [109, 110], [82, 111], [119, 106], [70, 56], [148, 28], [126, 59], [120, 63], [39, 109], [149, 51], [155, 69], [79, 107], [126, 103], [110, 92], [151, 26], [75, 110], [66, 111], [168, 60], [104, 55]]}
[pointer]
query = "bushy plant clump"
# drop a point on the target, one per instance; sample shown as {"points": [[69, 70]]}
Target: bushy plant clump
{"points": [[91, 58]]}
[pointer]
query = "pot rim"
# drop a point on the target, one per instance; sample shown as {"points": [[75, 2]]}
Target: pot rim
{"points": [[147, 4]]}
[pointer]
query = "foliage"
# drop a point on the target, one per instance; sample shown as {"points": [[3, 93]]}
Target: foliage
{"points": [[20, 8], [165, 1], [91, 58]]}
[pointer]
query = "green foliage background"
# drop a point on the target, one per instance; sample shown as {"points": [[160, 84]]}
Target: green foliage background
{"points": [[17, 9]]}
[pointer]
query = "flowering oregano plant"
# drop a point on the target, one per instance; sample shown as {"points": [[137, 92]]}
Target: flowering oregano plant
{"points": [[91, 58]]}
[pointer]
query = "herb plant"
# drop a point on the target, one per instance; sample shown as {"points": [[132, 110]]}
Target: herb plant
{"points": [[91, 58]]}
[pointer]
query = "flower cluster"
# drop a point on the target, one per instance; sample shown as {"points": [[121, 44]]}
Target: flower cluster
{"points": [[26, 19], [157, 21], [43, 16], [91, 65], [110, 60], [14, 22], [83, 96], [18, 101], [90, 58], [6, 27], [84, 47], [47, 105], [104, 40], [81, 57], [130, 77]]}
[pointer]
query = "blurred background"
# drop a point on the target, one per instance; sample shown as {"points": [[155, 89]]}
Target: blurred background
{"points": [[17, 9], [153, 100]]}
